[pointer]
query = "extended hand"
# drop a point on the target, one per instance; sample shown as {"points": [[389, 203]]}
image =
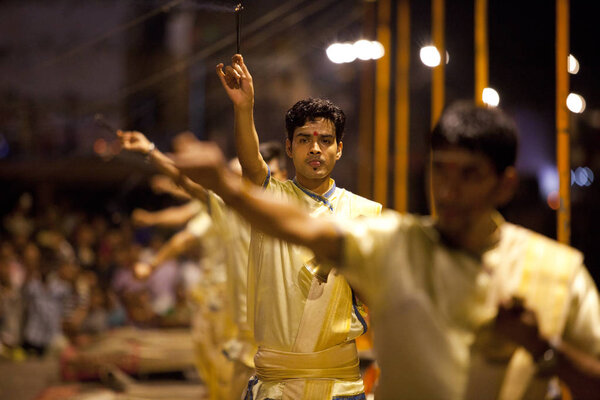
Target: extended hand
{"points": [[134, 141], [141, 218], [203, 163], [237, 82], [142, 270]]}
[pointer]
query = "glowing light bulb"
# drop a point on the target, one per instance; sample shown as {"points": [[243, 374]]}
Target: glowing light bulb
{"points": [[430, 56], [490, 97], [573, 64], [575, 103]]}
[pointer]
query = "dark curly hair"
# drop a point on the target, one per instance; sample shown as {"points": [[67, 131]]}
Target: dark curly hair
{"points": [[311, 109], [486, 130]]}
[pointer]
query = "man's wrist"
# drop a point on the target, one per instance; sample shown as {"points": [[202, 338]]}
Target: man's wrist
{"points": [[151, 148], [243, 108], [546, 358], [149, 151]]}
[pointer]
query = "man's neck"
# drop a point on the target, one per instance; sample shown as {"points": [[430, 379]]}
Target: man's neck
{"points": [[482, 236], [319, 186]]}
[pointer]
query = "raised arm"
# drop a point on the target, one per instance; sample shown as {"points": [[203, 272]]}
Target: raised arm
{"points": [[237, 82], [204, 164], [136, 142]]}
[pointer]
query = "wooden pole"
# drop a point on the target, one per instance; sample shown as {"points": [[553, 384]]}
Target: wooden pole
{"points": [[562, 122], [481, 49], [402, 107], [366, 120], [438, 73], [382, 103], [438, 76]]}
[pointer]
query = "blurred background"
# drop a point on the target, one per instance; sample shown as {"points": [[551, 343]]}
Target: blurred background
{"points": [[148, 65]]}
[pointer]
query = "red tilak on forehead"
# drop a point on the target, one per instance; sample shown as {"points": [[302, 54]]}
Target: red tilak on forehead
{"points": [[316, 133]]}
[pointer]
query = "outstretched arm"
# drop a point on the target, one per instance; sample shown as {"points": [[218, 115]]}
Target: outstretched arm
{"points": [[176, 245], [168, 217], [162, 184], [138, 143], [237, 82], [204, 164]]}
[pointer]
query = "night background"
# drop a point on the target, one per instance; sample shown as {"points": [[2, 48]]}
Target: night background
{"points": [[148, 65]]}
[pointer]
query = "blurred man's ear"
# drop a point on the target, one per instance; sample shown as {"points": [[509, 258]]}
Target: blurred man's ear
{"points": [[338, 153], [509, 181]]}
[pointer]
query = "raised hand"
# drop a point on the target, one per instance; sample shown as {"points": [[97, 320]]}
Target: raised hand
{"points": [[134, 141], [237, 82]]}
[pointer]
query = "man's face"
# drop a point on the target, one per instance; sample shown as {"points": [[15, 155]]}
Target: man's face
{"points": [[314, 150], [466, 188]]}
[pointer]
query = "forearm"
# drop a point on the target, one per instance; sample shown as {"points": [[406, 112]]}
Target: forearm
{"points": [[247, 145], [176, 245], [579, 370], [173, 216], [165, 165]]}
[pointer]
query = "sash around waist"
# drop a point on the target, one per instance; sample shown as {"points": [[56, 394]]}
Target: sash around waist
{"points": [[339, 362]]}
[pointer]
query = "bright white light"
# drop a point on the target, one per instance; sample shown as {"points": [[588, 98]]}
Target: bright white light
{"points": [[335, 52], [575, 103], [573, 64], [490, 97], [430, 56], [377, 50], [363, 49], [548, 180], [348, 52]]}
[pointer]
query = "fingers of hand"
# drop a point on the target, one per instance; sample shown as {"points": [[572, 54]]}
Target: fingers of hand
{"points": [[239, 70], [232, 78], [244, 68]]}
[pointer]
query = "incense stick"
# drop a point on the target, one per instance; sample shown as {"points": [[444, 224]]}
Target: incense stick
{"points": [[238, 10], [103, 123]]}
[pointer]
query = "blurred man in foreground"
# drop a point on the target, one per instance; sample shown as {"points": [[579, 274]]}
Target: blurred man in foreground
{"points": [[465, 306]]}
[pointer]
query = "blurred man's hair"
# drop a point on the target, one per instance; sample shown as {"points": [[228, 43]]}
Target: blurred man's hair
{"points": [[311, 109], [478, 129], [271, 151]]}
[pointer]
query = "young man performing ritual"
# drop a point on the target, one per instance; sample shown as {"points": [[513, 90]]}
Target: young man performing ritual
{"points": [[464, 306], [305, 330]]}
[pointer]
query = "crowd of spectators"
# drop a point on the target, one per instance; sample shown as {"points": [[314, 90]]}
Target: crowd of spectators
{"points": [[67, 274]]}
